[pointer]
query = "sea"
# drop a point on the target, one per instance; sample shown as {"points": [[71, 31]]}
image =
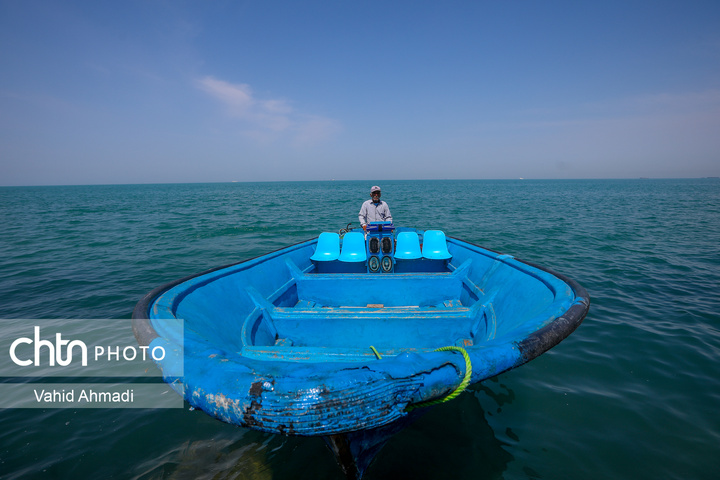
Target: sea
{"points": [[633, 393]]}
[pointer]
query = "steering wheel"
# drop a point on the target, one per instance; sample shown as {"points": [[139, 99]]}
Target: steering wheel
{"points": [[345, 230]]}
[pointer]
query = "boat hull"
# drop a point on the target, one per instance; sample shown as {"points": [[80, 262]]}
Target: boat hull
{"points": [[273, 344]]}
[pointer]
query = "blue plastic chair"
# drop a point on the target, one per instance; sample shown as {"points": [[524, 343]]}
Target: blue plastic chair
{"points": [[328, 247], [353, 248], [408, 246], [434, 245]]}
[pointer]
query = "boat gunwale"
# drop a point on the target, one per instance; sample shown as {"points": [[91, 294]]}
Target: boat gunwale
{"points": [[143, 329]]}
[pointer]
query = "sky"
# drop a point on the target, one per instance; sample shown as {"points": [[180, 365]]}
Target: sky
{"points": [[104, 92]]}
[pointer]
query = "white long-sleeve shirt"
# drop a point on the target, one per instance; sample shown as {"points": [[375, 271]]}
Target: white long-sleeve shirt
{"points": [[374, 212]]}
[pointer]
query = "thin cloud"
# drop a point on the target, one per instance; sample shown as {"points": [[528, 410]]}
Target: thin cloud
{"points": [[681, 102], [268, 120]]}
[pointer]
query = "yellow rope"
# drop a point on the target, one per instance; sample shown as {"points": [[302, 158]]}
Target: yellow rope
{"points": [[377, 354], [460, 388]]}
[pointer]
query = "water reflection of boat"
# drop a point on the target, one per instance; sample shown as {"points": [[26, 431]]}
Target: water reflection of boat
{"points": [[350, 338]]}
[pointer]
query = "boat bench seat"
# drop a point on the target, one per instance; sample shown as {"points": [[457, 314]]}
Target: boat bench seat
{"points": [[447, 310], [389, 290], [321, 354], [284, 350], [347, 327], [337, 331]]}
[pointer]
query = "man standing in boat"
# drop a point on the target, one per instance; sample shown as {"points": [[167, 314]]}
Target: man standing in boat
{"points": [[374, 210]]}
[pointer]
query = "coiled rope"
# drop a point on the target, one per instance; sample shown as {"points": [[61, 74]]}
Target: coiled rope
{"points": [[460, 388]]}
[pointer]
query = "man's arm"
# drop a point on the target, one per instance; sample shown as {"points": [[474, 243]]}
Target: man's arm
{"points": [[362, 216]]}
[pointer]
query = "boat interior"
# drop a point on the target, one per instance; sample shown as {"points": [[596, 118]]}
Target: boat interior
{"points": [[361, 297]]}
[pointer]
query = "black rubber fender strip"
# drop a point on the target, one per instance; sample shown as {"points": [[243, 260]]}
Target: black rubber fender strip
{"points": [[547, 337]]}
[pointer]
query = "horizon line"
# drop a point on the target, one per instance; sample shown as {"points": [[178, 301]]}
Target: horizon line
{"points": [[356, 180]]}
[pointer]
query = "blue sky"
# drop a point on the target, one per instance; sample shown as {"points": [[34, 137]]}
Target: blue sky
{"points": [[169, 91]]}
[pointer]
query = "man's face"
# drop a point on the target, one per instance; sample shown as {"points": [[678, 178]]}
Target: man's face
{"points": [[375, 196]]}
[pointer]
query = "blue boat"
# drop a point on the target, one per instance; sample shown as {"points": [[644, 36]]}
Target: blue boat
{"points": [[351, 336]]}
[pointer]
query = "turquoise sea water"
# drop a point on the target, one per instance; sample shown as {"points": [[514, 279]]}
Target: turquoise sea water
{"points": [[634, 393]]}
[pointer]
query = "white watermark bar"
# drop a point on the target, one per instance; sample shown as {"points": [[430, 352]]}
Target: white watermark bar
{"points": [[89, 395], [87, 348]]}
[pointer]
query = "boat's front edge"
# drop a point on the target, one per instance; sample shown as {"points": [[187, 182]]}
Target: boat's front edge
{"points": [[549, 336]]}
